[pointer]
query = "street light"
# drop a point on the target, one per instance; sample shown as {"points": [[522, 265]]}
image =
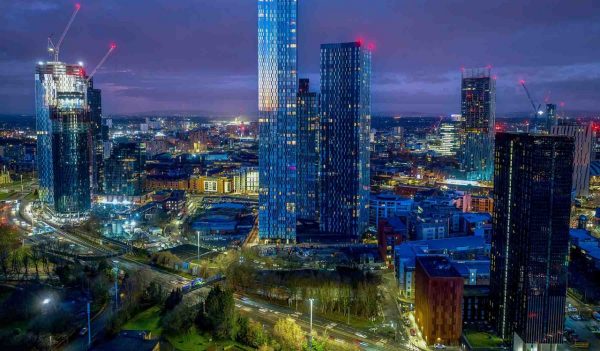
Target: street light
{"points": [[311, 301], [116, 283]]}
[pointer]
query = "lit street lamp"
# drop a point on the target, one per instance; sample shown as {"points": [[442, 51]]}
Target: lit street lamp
{"points": [[311, 301], [116, 283]]}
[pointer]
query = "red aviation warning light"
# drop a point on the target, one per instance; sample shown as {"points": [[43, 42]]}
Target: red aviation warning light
{"points": [[112, 47]]}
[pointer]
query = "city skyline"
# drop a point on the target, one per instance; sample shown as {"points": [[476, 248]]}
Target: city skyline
{"points": [[410, 76]]}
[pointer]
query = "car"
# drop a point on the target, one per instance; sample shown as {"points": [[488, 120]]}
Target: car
{"points": [[360, 335], [413, 332], [83, 331], [439, 346]]}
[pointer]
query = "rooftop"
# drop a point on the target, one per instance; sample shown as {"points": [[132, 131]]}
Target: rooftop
{"points": [[438, 266]]}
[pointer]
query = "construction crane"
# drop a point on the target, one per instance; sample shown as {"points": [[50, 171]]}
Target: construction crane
{"points": [[536, 110], [110, 49], [54, 49]]}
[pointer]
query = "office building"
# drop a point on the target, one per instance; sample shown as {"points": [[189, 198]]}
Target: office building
{"points": [[438, 300], [277, 94], [308, 151], [63, 137], [532, 204], [583, 135], [345, 128], [124, 169], [478, 110]]}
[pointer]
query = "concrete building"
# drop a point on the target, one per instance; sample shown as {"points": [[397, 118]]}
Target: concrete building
{"points": [[461, 249], [387, 205]]}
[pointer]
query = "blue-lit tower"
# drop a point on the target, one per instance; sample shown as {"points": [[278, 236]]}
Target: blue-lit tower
{"points": [[344, 147], [63, 138], [478, 110], [277, 94], [308, 151]]}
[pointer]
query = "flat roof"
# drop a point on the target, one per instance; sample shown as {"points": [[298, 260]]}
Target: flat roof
{"points": [[438, 266]]}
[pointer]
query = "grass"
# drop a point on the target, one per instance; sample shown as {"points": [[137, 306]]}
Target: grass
{"points": [[482, 339], [194, 341], [6, 195], [146, 320], [190, 341]]}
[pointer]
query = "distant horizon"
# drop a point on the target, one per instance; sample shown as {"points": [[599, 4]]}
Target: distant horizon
{"points": [[163, 62]]}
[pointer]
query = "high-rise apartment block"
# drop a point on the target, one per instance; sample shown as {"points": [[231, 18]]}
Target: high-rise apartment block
{"points": [[63, 137], [478, 110], [532, 204], [584, 136], [308, 151], [344, 146], [277, 96]]}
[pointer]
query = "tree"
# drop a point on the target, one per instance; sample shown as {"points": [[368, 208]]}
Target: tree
{"points": [[251, 333], [289, 334], [220, 317], [178, 320], [173, 299], [154, 293]]}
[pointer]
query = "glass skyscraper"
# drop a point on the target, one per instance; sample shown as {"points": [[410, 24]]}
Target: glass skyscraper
{"points": [[308, 151], [124, 169], [277, 94], [530, 245], [478, 110], [64, 139], [344, 146], [96, 128]]}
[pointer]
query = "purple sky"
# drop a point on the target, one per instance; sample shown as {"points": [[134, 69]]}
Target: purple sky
{"points": [[201, 54]]}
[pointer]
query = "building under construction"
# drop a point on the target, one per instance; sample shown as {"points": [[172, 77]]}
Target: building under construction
{"points": [[64, 135]]}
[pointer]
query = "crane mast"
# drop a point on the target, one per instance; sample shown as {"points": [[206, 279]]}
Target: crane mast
{"points": [[110, 50], [54, 49]]}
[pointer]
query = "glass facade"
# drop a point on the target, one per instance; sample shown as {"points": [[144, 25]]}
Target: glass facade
{"points": [[308, 151], [532, 204], [478, 109], [124, 169], [277, 94], [64, 138], [95, 107], [344, 146]]}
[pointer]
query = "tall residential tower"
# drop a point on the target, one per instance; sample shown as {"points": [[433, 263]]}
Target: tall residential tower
{"points": [[63, 137], [478, 110], [308, 151], [277, 94], [532, 204], [345, 128]]}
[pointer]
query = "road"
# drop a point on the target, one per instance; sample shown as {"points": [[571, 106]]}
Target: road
{"points": [[268, 314], [581, 327]]}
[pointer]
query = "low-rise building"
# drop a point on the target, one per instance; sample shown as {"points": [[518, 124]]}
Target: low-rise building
{"points": [[387, 205], [438, 300], [466, 248]]}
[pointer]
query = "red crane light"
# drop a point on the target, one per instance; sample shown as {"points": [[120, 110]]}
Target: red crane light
{"points": [[522, 81], [77, 6], [113, 46]]}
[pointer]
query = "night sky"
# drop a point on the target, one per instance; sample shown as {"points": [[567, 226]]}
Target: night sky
{"points": [[200, 55]]}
